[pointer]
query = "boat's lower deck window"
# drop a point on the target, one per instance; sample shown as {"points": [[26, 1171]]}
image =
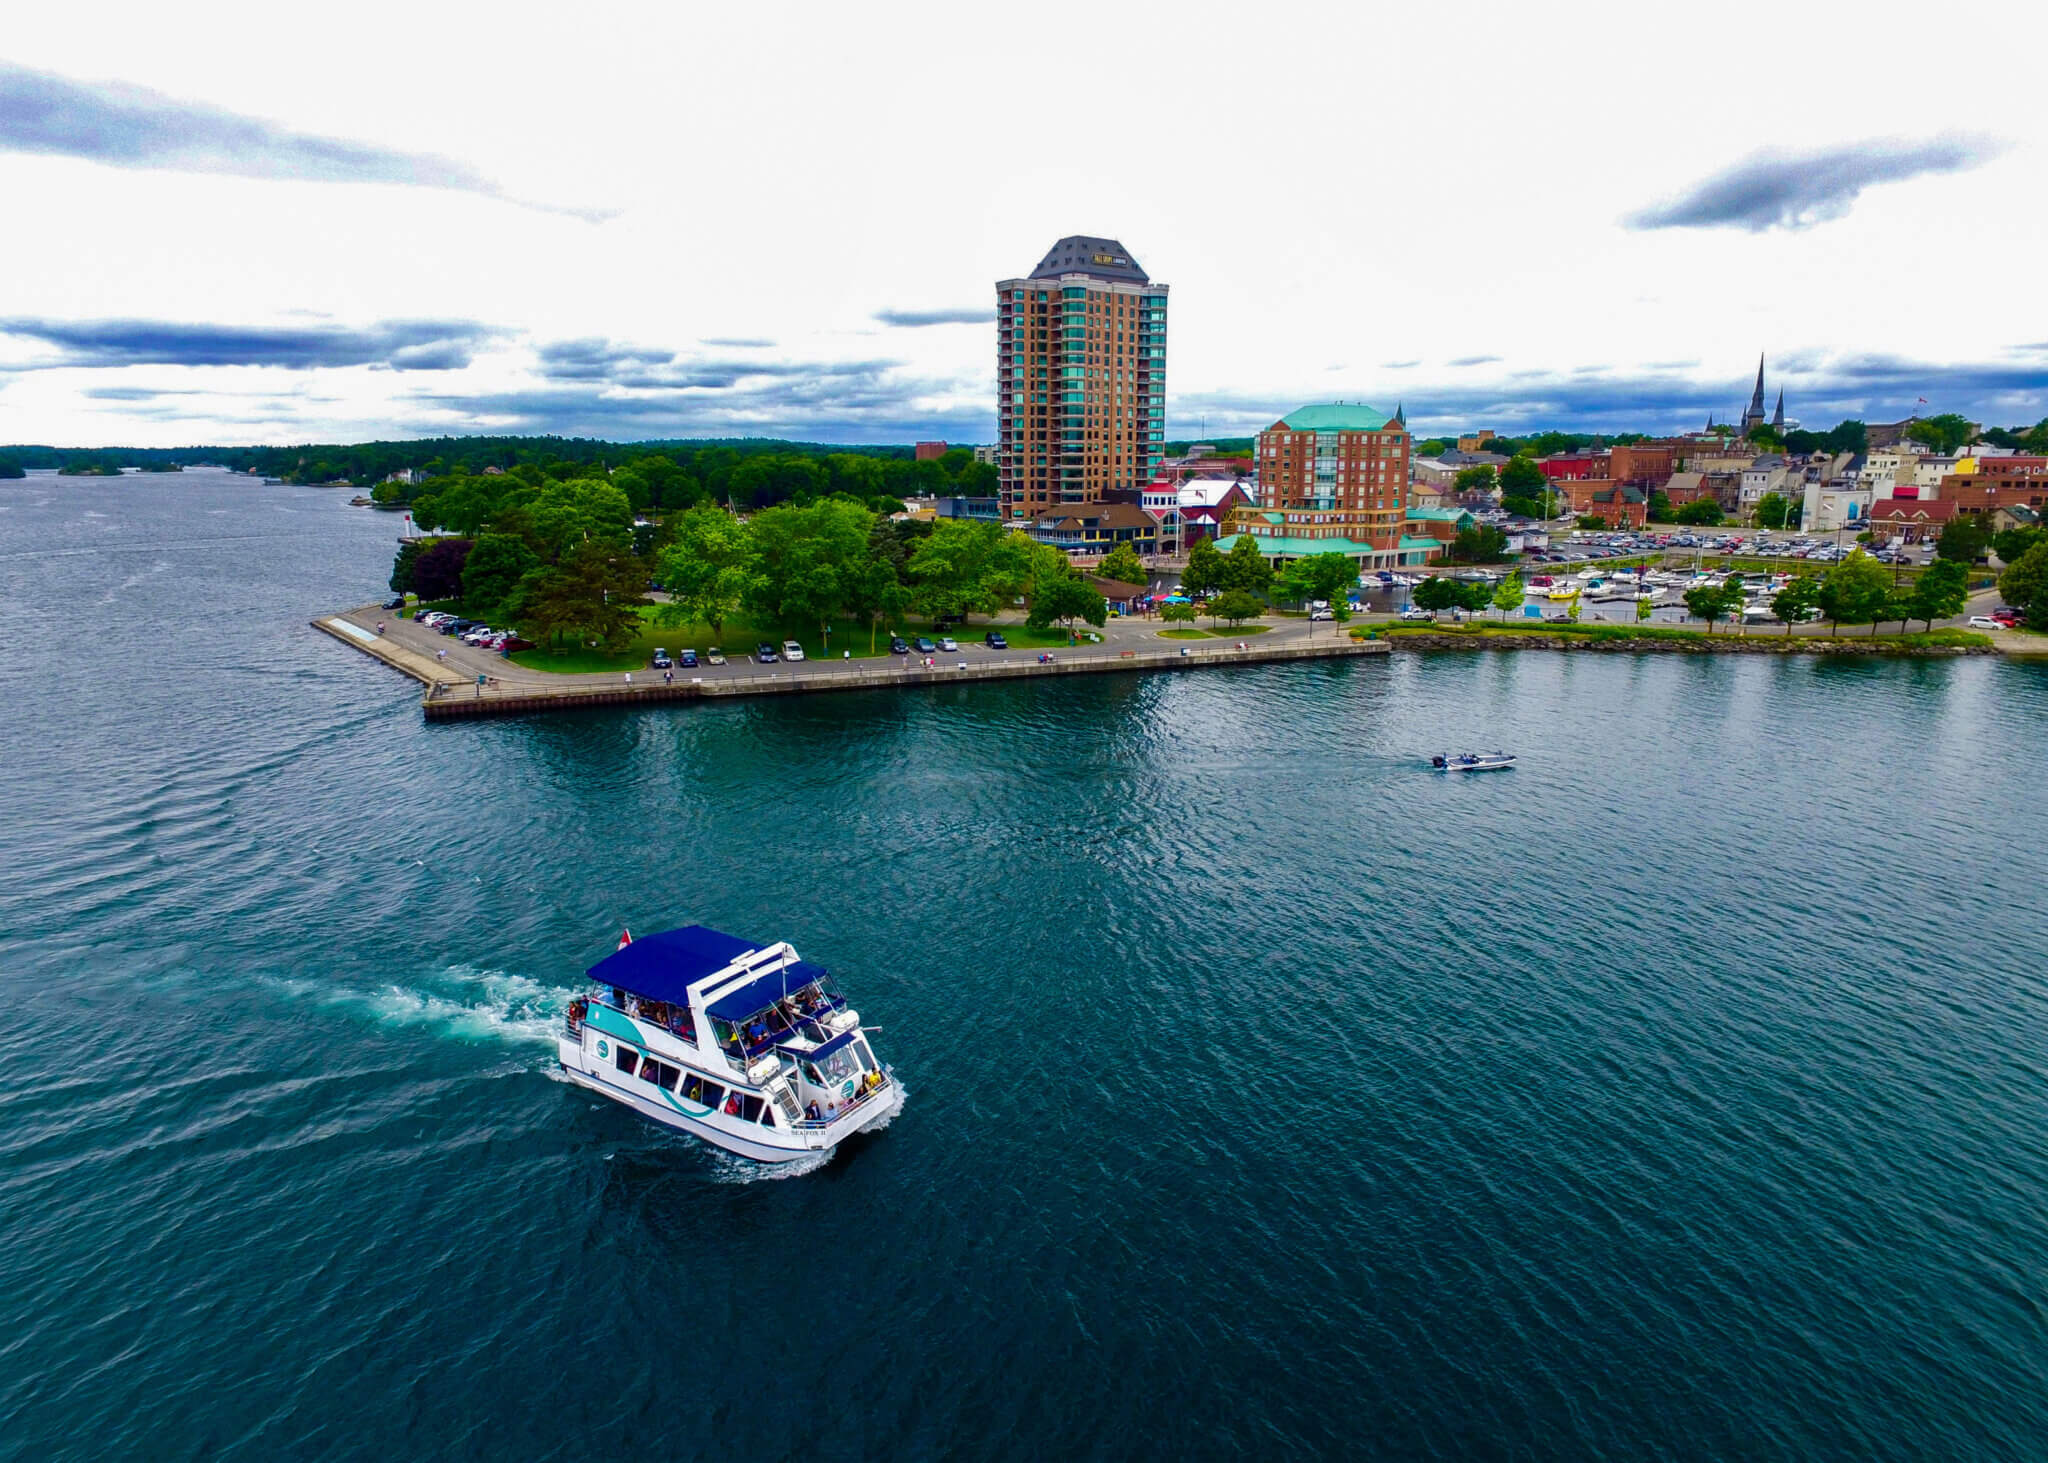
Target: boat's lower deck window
{"points": [[696, 1089], [660, 1073], [744, 1106], [628, 1060]]}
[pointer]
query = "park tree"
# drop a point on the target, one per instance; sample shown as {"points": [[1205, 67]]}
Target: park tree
{"points": [[1438, 592], [1204, 573], [1798, 599], [1245, 569], [1508, 595], [807, 559], [1857, 591], [492, 572], [1063, 598], [964, 568], [1236, 606], [705, 570], [1123, 565], [1711, 602], [1320, 576], [1522, 478], [596, 591], [437, 573], [1964, 538], [1178, 614], [402, 566], [1940, 592], [2025, 584]]}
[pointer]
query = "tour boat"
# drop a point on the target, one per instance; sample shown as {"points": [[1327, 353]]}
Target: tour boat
{"points": [[741, 1044], [1473, 762]]}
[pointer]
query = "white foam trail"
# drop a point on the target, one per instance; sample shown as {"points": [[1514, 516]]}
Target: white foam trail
{"points": [[462, 1002]]}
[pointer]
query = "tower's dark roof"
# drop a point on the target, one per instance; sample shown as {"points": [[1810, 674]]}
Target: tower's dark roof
{"points": [[1102, 258]]}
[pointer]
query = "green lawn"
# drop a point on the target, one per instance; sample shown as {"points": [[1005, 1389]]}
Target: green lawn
{"points": [[1942, 637], [1187, 632], [739, 637]]}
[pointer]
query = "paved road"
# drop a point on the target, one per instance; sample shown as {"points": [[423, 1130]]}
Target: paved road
{"points": [[461, 664]]}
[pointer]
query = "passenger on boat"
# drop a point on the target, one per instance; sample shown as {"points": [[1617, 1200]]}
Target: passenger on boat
{"points": [[811, 1111]]}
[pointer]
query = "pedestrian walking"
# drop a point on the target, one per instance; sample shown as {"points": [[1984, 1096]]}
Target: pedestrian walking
{"points": [[440, 655], [629, 678], [380, 627], [668, 677]]}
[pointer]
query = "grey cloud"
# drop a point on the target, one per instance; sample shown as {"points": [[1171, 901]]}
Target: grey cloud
{"points": [[126, 126], [401, 345], [1796, 190], [911, 319], [737, 342], [594, 359], [1474, 360], [1398, 365]]}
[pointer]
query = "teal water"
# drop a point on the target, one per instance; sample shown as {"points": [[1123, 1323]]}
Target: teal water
{"points": [[1680, 1094]]}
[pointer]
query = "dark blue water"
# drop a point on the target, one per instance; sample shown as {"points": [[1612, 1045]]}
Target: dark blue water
{"points": [[1680, 1094]]}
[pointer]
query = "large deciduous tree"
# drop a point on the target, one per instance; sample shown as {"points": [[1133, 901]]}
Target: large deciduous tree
{"points": [[492, 571], [1711, 602], [1123, 565], [1964, 538], [1857, 591], [1522, 478], [1940, 592], [2025, 584], [1204, 573], [437, 573], [1245, 568], [1798, 599], [1236, 606], [705, 570], [1438, 592]]}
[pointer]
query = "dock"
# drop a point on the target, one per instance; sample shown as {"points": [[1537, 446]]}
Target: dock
{"points": [[454, 692]]}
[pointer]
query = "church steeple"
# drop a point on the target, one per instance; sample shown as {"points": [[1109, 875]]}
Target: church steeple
{"points": [[1400, 415], [1778, 416], [1754, 417]]}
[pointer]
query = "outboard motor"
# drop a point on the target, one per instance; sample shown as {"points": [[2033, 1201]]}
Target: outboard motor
{"points": [[1437, 760]]}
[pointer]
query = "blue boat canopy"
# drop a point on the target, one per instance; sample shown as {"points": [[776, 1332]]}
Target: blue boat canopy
{"points": [[661, 967], [763, 991], [844, 1038]]}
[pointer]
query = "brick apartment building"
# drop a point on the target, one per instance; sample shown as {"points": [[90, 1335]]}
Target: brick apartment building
{"points": [[1998, 482], [1080, 379], [1338, 470]]}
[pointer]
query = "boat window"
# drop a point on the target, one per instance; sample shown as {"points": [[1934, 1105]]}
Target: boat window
{"points": [[767, 1116], [628, 1059], [660, 1073], [867, 1058], [697, 1089]]}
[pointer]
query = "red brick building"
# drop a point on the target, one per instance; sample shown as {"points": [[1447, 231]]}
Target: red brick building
{"points": [[1998, 482], [1337, 471], [1910, 520], [1574, 467], [1642, 465], [1617, 504], [930, 451]]}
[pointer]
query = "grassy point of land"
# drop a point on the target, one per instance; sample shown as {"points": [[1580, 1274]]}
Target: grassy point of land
{"points": [[1774, 635]]}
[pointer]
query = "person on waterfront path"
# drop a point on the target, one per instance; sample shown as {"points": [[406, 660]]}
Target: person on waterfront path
{"points": [[440, 655], [629, 678], [668, 678]]}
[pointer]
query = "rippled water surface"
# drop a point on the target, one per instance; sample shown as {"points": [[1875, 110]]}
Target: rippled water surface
{"points": [[1679, 1094]]}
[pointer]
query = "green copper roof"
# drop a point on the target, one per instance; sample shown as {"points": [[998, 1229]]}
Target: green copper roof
{"points": [[1420, 543], [1279, 546], [1438, 515], [1336, 416]]}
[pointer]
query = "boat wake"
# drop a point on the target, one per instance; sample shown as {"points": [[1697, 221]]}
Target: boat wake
{"points": [[462, 1002]]}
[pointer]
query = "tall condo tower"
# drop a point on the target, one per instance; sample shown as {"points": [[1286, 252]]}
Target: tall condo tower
{"points": [[1080, 378]]}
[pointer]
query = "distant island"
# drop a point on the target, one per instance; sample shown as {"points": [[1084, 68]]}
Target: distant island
{"points": [[161, 467], [89, 470], [9, 468]]}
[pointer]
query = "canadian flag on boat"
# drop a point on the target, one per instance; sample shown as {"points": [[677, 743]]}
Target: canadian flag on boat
{"points": [[625, 939]]}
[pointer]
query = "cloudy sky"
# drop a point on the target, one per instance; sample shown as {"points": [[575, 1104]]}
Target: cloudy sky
{"points": [[228, 223]]}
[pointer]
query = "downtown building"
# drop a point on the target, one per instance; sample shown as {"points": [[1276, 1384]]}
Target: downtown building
{"points": [[1333, 478], [1080, 380]]}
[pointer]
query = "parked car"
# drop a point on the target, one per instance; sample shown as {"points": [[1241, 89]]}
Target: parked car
{"points": [[2006, 616], [924, 645], [898, 645], [994, 640], [512, 642], [688, 658], [947, 642], [714, 656], [396, 602], [765, 653], [1416, 612], [1322, 614], [1984, 622], [661, 662], [792, 651]]}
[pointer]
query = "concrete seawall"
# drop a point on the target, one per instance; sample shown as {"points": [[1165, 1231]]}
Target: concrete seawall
{"points": [[1757, 644], [450, 699]]}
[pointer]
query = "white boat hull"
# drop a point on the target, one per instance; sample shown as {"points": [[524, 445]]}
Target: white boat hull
{"points": [[749, 1140]]}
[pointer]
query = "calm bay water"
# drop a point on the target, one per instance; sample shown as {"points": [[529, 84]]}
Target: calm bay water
{"points": [[1680, 1094]]}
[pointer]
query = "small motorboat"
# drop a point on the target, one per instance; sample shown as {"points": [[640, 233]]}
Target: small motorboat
{"points": [[1472, 761]]}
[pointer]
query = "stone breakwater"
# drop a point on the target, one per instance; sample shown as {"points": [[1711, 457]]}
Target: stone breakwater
{"points": [[1690, 645]]}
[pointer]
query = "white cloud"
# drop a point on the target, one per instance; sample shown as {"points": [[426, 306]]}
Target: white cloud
{"points": [[772, 192]]}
